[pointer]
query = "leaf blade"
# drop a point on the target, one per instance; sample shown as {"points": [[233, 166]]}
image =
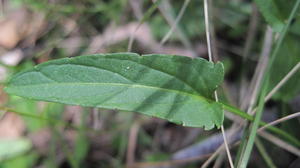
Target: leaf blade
{"points": [[271, 13], [155, 85]]}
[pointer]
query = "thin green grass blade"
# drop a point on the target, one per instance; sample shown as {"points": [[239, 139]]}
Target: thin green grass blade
{"points": [[264, 153]]}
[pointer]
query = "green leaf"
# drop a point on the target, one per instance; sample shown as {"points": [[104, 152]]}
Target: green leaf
{"points": [[10, 148], [271, 13], [275, 12], [288, 57], [176, 88]]}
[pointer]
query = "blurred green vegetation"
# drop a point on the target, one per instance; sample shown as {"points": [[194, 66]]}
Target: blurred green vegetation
{"points": [[107, 148]]}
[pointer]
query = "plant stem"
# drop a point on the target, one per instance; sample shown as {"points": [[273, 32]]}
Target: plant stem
{"points": [[174, 26], [207, 28], [264, 153], [248, 149], [166, 10], [294, 115], [255, 85], [278, 142], [283, 81], [145, 17], [248, 117], [50, 120]]}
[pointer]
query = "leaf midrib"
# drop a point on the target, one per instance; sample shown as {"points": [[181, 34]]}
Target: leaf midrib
{"points": [[121, 84]]}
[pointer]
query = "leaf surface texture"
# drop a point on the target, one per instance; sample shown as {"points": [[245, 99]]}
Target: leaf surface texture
{"points": [[176, 88]]}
